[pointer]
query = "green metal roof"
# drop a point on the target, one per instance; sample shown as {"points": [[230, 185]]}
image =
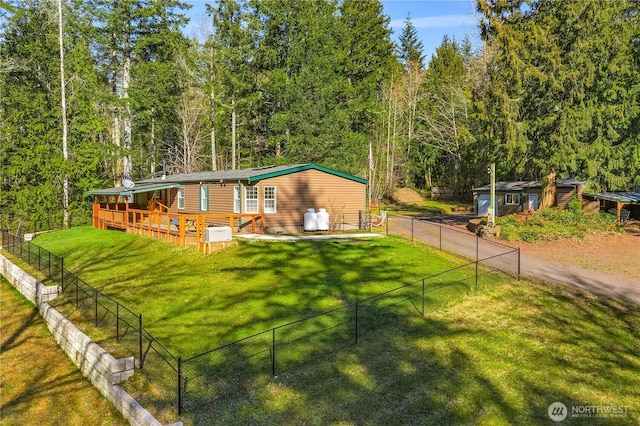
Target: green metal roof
{"points": [[136, 189], [618, 197], [249, 175]]}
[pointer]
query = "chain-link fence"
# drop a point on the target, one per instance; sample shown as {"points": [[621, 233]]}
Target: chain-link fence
{"points": [[228, 370], [119, 324], [462, 243]]}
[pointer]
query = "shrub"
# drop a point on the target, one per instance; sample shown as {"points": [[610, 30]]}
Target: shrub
{"points": [[553, 224]]}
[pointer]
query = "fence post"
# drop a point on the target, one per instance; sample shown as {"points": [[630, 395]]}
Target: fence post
{"points": [[273, 352], [179, 385], [518, 263], [62, 274], [49, 267], [95, 299], [29, 252], [477, 249], [423, 298], [387, 223], [356, 325], [412, 219], [117, 322], [39, 259], [140, 339], [476, 275]]}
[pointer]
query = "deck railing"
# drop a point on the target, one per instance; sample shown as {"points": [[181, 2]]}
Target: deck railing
{"points": [[181, 228]]}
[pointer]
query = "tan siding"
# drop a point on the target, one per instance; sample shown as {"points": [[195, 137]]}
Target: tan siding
{"points": [[221, 198], [563, 196], [297, 192]]}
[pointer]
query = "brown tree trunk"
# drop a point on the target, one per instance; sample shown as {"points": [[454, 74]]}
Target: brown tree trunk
{"points": [[549, 189]]}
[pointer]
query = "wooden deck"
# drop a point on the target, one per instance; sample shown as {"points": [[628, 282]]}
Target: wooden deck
{"points": [[181, 229]]}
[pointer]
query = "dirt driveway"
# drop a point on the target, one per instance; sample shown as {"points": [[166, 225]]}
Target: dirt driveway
{"points": [[608, 265]]}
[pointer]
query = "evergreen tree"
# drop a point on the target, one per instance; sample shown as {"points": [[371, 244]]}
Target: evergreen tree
{"points": [[562, 96], [136, 41], [411, 48]]}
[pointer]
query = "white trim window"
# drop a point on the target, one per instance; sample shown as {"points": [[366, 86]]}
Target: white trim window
{"points": [[204, 198], [181, 198], [236, 199], [251, 199], [270, 199], [512, 198]]}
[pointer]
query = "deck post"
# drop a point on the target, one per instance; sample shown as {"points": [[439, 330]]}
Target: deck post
{"points": [[183, 230]]}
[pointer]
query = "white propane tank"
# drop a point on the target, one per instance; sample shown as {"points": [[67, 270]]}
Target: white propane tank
{"points": [[323, 220], [310, 220]]}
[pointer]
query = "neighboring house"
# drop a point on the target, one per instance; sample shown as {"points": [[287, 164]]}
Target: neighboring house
{"points": [[515, 197], [269, 199]]}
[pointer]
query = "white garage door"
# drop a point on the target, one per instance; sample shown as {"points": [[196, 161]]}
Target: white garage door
{"points": [[484, 202]]}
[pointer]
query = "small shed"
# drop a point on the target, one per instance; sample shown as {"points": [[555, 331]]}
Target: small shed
{"points": [[626, 204], [517, 196]]}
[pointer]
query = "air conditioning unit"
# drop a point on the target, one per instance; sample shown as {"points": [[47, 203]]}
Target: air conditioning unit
{"points": [[216, 234]]}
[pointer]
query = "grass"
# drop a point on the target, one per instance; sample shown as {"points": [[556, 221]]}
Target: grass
{"points": [[428, 207], [40, 385], [500, 356], [239, 291]]}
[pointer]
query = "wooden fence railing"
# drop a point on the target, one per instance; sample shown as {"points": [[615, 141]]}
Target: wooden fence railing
{"points": [[181, 228]]}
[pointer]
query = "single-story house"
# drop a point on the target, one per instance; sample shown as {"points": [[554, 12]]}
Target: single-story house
{"points": [[625, 205], [518, 196], [269, 199]]}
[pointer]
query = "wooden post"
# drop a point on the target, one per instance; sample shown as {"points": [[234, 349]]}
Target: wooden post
{"points": [[96, 214], [182, 230], [619, 211]]}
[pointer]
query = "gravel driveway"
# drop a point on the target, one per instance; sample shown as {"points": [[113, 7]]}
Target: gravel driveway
{"points": [[453, 239]]}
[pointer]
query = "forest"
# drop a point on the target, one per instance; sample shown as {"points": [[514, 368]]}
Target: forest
{"points": [[94, 91]]}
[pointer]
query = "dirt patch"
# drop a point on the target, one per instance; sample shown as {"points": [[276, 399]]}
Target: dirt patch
{"points": [[614, 254], [406, 196]]}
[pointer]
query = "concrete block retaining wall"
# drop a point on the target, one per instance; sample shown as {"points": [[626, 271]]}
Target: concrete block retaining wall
{"points": [[104, 371]]}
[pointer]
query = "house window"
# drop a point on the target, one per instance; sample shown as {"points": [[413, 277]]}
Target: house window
{"points": [[251, 199], [269, 199], [181, 198], [204, 198], [236, 199], [512, 198]]}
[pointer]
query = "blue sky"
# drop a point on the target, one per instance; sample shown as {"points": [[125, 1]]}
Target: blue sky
{"points": [[433, 19]]}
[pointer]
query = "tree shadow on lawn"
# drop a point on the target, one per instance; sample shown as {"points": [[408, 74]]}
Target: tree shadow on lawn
{"points": [[505, 363]]}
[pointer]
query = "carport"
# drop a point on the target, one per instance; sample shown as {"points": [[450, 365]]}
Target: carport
{"points": [[620, 200]]}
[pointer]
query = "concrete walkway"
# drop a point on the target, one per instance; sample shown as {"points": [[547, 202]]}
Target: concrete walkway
{"points": [[454, 240], [310, 237]]}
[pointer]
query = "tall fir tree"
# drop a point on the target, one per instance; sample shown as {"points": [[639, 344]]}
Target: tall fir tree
{"points": [[562, 95], [411, 47]]}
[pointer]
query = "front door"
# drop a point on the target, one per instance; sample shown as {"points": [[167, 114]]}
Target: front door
{"points": [[533, 201]]}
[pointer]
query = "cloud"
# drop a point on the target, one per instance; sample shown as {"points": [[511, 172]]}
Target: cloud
{"points": [[443, 21]]}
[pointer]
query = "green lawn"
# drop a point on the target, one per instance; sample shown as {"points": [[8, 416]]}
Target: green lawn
{"points": [[239, 291], [428, 206], [40, 385], [499, 356]]}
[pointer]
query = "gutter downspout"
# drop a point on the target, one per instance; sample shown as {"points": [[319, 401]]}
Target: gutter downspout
{"points": [[240, 189]]}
